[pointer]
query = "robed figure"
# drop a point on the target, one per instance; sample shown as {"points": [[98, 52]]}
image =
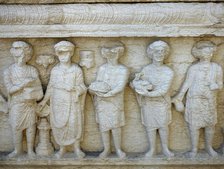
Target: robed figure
{"points": [[66, 91]]}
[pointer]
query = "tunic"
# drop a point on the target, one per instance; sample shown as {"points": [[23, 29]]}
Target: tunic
{"points": [[156, 108], [201, 100], [66, 89], [22, 112], [110, 110]]}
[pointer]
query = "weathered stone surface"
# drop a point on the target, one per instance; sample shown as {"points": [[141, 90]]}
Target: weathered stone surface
{"points": [[134, 137], [112, 20], [94, 1], [89, 26]]}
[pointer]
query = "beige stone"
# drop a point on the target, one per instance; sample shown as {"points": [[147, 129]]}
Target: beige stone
{"points": [[95, 1], [90, 26], [112, 20]]}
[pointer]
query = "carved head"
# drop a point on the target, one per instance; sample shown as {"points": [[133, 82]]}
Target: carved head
{"points": [[45, 60], [21, 51], [87, 58], [64, 50], [113, 50], [203, 50], [158, 51]]}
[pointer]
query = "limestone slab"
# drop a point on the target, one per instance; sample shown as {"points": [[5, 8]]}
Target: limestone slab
{"points": [[112, 20]]}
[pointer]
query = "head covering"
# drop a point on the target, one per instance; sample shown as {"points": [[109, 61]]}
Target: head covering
{"points": [[64, 46]]}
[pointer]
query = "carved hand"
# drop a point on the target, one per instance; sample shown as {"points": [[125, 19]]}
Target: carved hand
{"points": [[142, 92], [179, 105], [42, 104], [109, 94], [27, 82]]}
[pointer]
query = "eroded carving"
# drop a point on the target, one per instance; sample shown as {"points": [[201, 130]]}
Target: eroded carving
{"points": [[152, 86], [44, 147], [24, 90], [138, 19], [45, 60], [202, 82], [66, 92], [87, 59], [108, 91], [45, 64]]}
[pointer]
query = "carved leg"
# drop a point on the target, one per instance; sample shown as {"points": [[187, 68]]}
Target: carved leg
{"points": [[61, 152], [194, 134], [30, 135], [209, 133], [163, 132], [151, 133], [78, 152], [117, 142], [17, 140], [106, 144]]}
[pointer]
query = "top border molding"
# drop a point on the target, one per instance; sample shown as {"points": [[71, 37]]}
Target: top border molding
{"points": [[112, 20], [95, 1]]}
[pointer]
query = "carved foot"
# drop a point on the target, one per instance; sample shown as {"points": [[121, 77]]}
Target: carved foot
{"points": [[211, 152], [150, 154], [60, 153], [31, 154], [121, 154], [14, 154], [191, 154], [168, 153], [79, 153], [104, 154]]}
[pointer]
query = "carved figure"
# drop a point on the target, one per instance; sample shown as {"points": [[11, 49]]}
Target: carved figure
{"points": [[152, 85], [201, 84], [87, 59], [24, 90], [109, 97], [66, 92]]}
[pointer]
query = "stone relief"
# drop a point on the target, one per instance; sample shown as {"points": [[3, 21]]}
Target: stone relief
{"points": [[45, 64], [66, 92], [44, 147], [3, 105], [24, 90], [108, 91], [147, 19], [203, 80], [45, 60], [62, 108], [87, 59], [152, 86]]}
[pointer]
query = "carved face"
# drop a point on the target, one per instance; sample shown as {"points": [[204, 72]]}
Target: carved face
{"points": [[45, 60], [203, 50], [64, 56], [206, 52], [19, 55], [159, 54], [87, 59], [112, 53]]}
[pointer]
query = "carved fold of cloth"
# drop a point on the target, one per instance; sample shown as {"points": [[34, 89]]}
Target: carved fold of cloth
{"points": [[22, 112], [156, 112], [156, 108], [22, 115], [110, 110], [66, 117], [201, 100]]}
